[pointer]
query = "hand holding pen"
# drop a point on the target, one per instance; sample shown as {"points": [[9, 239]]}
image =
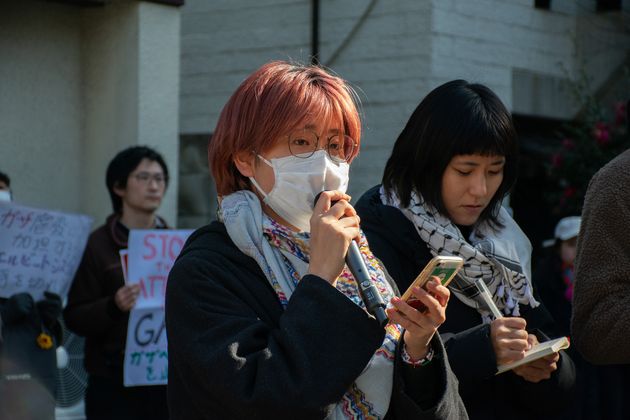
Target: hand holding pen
{"points": [[508, 334], [510, 341]]}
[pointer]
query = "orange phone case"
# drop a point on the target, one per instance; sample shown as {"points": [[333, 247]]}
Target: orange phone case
{"points": [[443, 267]]}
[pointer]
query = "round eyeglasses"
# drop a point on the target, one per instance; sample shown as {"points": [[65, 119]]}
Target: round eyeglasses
{"points": [[304, 143], [146, 178]]}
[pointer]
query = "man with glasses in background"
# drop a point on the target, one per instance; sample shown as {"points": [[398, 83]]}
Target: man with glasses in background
{"points": [[99, 300]]}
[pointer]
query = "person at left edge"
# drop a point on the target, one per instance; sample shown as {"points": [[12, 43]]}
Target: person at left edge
{"points": [[99, 301], [29, 335], [263, 319]]}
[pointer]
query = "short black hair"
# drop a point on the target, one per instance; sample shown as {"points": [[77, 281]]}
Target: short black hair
{"points": [[5, 178], [456, 118], [123, 164]]}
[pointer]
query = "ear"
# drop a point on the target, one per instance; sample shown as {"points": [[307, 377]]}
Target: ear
{"points": [[119, 191], [244, 162]]}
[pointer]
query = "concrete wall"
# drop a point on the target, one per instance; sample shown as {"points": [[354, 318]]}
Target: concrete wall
{"points": [[40, 103], [76, 86], [396, 52], [131, 85], [224, 41], [221, 43], [386, 59], [526, 55]]}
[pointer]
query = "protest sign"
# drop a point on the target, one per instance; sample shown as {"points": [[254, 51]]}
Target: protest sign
{"points": [[146, 354], [150, 256], [40, 250], [124, 258]]}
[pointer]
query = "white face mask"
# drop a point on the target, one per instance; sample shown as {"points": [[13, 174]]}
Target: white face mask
{"points": [[298, 181], [5, 195]]}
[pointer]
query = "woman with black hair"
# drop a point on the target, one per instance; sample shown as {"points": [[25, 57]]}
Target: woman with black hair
{"points": [[442, 189]]}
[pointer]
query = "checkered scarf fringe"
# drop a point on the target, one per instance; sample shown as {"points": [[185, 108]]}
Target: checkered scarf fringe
{"points": [[487, 254]]}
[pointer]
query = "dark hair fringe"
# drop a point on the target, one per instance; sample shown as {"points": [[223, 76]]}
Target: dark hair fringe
{"points": [[123, 164], [456, 118]]}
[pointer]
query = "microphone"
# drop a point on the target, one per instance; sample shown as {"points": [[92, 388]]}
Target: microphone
{"points": [[369, 293]]}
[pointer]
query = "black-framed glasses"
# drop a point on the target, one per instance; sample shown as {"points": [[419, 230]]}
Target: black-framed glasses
{"points": [[146, 178], [303, 143]]}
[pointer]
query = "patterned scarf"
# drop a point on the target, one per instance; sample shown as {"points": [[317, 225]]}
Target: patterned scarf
{"points": [[283, 256], [500, 257]]}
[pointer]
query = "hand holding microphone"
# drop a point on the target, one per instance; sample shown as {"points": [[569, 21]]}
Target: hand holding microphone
{"points": [[334, 225]]}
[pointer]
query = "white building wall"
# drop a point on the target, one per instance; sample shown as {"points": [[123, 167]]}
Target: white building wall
{"points": [[76, 86], [224, 41], [396, 53], [110, 81], [526, 54], [158, 91], [131, 85], [40, 103], [388, 61]]}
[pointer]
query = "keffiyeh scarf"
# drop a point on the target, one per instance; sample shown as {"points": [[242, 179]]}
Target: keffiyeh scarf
{"points": [[500, 257], [283, 256]]}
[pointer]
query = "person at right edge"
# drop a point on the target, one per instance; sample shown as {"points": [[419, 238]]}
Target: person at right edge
{"points": [[450, 168], [600, 323]]}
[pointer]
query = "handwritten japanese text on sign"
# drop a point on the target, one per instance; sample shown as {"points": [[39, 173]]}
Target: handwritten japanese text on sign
{"points": [[40, 250], [146, 354]]}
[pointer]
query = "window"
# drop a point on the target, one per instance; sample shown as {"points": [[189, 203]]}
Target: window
{"points": [[542, 4]]}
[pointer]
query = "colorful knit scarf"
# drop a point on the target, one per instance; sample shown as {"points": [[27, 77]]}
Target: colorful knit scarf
{"points": [[283, 256]]}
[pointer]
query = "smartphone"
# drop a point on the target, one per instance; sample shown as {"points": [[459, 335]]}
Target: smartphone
{"points": [[443, 267]]}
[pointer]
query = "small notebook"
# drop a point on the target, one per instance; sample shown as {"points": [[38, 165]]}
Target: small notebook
{"points": [[538, 351]]}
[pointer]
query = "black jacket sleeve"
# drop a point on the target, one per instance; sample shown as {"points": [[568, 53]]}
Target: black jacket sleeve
{"points": [[235, 352], [229, 358], [556, 393], [426, 392], [471, 353], [90, 310]]}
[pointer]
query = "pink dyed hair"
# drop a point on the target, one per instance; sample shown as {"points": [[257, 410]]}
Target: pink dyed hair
{"points": [[273, 101]]}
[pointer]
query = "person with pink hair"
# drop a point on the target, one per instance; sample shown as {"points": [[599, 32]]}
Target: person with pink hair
{"points": [[263, 317]]}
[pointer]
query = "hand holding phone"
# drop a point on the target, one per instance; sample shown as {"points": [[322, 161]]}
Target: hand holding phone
{"points": [[423, 314], [443, 267]]}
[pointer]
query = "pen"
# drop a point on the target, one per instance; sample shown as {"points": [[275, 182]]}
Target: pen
{"points": [[487, 298]]}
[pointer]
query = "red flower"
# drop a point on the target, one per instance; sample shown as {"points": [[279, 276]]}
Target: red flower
{"points": [[601, 133], [556, 160], [568, 143], [620, 112], [569, 191]]}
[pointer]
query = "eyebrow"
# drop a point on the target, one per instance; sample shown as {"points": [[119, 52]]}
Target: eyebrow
{"points": [[471, 163], [312, 127], [149, 173]]}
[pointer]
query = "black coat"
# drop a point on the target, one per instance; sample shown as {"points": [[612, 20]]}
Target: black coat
{"points": [[92, 313], [28, 373], [394, 240], [235, 353], [551, 288]]}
